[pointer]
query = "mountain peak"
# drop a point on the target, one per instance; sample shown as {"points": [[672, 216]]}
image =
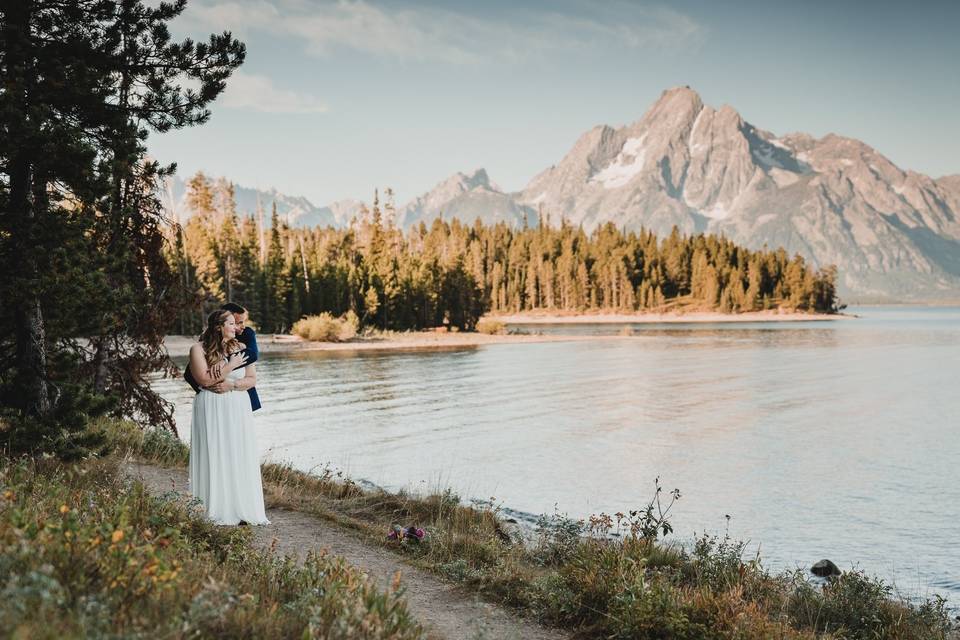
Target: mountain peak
{"points": [[675, 95], [465, 196], [676, 109], [461, 181], [478, 178], [678, 99]]}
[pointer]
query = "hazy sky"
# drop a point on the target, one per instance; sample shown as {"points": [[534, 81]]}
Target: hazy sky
{"points": [[337, 98]]}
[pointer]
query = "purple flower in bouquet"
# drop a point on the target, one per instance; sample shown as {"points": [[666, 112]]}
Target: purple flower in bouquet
{"points": [[402, 535], [415, 533]]}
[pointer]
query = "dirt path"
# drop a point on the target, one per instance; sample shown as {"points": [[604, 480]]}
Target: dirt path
{"points": [[445, 610]]}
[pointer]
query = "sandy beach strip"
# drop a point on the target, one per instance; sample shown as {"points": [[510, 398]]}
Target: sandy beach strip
{"points": [[178, 346], [772, 315]]}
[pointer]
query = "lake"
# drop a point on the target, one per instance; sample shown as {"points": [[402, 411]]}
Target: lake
{"points": [[837, 439]]}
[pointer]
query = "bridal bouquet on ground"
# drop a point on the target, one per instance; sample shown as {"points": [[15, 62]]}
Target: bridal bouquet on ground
{"points": [[406, 535]]}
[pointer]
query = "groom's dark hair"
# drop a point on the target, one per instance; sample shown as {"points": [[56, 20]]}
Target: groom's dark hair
{"points": [[233, 307]]}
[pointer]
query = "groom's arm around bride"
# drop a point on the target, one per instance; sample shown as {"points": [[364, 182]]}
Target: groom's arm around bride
{"points": [[248, 337]]}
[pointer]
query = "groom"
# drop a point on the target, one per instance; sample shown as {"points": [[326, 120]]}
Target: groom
{"points": [[248, 337]]}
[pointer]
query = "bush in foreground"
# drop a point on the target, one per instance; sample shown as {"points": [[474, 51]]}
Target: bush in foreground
{"points": [[86, 553]]}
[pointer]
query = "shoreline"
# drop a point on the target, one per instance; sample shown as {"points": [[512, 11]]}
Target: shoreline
{"points": [[694, 317], [179, 346]]}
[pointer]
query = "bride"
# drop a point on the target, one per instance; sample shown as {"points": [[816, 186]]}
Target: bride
{"points": [[224, 461]]}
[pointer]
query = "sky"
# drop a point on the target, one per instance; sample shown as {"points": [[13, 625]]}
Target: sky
{"points": [[338, 98]]}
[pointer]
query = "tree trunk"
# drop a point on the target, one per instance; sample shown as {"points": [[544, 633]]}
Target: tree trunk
{"points": [[303, 258], [32, 394]]}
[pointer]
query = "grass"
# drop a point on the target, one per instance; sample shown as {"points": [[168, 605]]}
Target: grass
{"points": [[609, 577], [86, 553]]}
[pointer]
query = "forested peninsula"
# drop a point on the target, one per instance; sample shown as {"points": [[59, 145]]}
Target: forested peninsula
{"points": [[452, 272]]}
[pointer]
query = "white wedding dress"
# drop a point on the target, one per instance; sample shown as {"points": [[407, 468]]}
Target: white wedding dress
{"points": [[224, 460]]}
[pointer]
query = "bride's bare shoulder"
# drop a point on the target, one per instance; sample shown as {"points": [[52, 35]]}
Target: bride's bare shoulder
{"points": [[196, 346]]}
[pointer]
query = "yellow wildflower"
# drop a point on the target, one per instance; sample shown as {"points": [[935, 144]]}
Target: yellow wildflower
{"points": [[64, 508], [117, 535]]}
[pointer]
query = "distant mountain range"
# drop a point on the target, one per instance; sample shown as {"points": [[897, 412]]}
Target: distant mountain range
{"points": [[893, 234], [296, 211]]}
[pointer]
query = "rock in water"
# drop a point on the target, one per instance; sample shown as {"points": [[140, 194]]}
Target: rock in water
{"points": [[825, 569]]}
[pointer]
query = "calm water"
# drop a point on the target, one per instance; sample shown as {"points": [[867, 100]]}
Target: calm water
{"points": [[821, 439]]}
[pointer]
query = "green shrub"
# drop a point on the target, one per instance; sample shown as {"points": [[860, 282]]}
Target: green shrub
{"points": [[327, 328], [154, 444], [558, 538], [856, 606]]}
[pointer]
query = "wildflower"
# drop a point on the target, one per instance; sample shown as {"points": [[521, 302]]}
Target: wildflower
{"points": [[64, 508], [8, 495], [117, 536], [414, 534]]}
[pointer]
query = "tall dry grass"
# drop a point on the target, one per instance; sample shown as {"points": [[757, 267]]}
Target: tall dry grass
{"points": [[84, 552], [612, 576]]}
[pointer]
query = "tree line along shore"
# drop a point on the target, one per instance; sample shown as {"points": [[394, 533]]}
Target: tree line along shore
{"points": [[453, 272]]}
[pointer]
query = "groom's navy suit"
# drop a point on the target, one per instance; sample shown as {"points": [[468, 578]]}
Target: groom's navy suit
{"points": [[249, 339]]}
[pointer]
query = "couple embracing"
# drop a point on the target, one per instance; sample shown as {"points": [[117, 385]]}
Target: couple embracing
{"points": [[224, 459]]}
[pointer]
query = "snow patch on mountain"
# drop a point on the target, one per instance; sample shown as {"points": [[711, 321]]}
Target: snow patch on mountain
{"points": [[717, 212], [765, 156], [628, 163], [777, 142]]}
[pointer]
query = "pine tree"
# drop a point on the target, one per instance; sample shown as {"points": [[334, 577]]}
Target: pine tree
{"points": [[248, 269], [276, 283], [85, 83]]}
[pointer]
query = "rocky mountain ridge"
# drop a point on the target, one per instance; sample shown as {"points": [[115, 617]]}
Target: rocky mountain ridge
{"points": [[297, 211], [835, 200]]}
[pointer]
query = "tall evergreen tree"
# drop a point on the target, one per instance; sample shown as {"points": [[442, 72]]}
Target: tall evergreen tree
{"points": [[276, 283], [85, 82]]}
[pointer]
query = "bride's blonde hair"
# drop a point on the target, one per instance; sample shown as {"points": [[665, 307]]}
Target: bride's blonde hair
{"points": [[214, 348]]}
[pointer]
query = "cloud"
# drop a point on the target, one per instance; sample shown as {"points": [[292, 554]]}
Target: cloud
{"points": [[257, 93], [449, 34]]}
